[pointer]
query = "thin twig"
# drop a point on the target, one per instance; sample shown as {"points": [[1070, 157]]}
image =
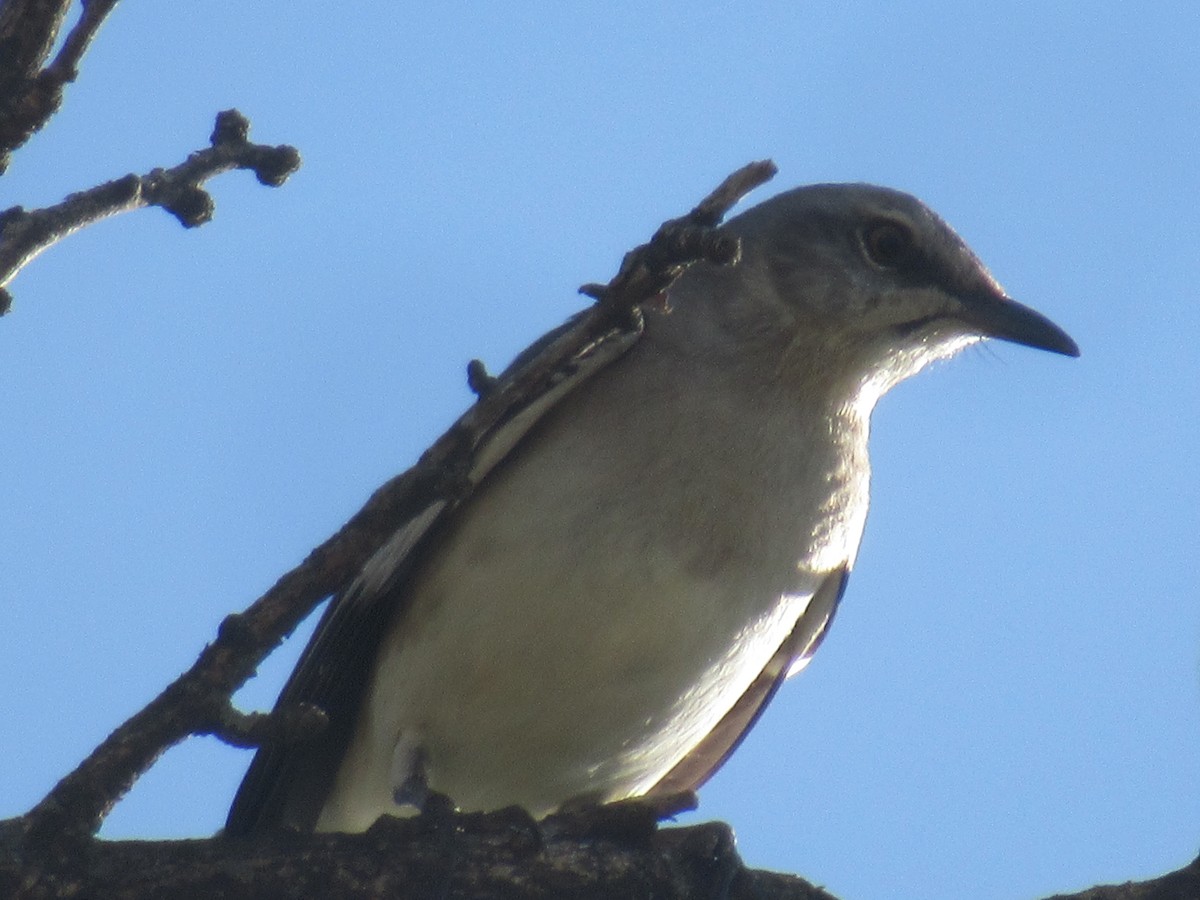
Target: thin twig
{"points": [[648, 270], [247, 730], [23, 235]]}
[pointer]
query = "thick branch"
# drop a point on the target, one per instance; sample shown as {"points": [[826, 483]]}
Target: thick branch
{"points": [[23, 235], [499, 855], [502, 855]]}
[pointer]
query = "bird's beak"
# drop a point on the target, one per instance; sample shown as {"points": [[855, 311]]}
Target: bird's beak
{"points": [[997, 316]]}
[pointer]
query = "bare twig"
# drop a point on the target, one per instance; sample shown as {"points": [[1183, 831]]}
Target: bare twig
{"points": [[239, 729], [648, 270], [23, 235], [30, 95]]}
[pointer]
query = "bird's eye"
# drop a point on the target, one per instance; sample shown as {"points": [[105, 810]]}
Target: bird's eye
{"points": [[887, 244]]}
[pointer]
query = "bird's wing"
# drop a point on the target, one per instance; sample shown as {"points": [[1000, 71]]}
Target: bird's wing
{"points": [[710, 754], [287, 783]]}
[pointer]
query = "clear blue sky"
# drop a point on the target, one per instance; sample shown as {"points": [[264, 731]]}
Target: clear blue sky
{"points": [[1009, 704]]}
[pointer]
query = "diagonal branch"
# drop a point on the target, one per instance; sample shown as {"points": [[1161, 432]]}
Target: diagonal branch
{"points": [[648, 270], [23, 235]]}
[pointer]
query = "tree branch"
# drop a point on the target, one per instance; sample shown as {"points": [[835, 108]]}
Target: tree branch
{"points": [[496, 855], [648, 270], [23, 235], [503, 855]]}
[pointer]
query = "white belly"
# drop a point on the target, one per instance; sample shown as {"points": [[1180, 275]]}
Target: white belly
{"points": [[583, 652]]}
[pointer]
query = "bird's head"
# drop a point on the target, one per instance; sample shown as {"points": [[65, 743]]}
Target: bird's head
{"points": [[874, 278]]}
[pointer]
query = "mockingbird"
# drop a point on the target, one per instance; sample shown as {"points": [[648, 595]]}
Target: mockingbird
{"points": [[646, 562]]}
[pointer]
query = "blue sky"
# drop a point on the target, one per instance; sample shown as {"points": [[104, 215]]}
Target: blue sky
{"points": [[1009, 704]]}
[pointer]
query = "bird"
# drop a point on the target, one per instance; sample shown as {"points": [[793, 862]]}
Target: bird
{"points": [[611, 610]]}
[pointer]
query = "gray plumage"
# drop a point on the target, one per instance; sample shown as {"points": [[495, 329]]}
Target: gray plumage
{"points": [[640, 571]]}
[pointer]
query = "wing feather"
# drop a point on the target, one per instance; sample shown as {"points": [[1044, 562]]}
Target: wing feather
{"points": [[287, 783], [710, 754]]}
